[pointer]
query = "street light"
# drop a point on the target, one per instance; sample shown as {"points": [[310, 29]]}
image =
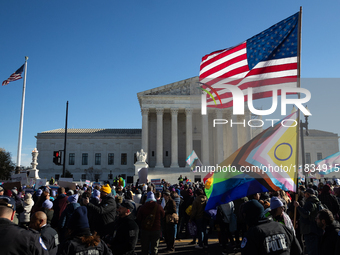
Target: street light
{"points": [[302, 126]]}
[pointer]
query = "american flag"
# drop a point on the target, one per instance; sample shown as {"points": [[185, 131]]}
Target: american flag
{"points": [[264, 62], [14, 76]]}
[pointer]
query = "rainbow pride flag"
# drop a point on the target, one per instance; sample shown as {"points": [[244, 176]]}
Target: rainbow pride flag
{"points": [[268, 162]]}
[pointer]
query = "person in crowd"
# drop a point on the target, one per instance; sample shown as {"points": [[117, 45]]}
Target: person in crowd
{"points": [[129, 197], [47, 208], [197, 215], [149, 217], [59, 205], [329, 200], [169, 227], [95, 197], [14, 239], [67, 214], [126, 231], [223, 219], [328, 243], [80, 239], [180, 179], [48, 234], [241, 226], [278, 213], [308, 227], [45, 195], [105, 212], [265, 236], [1, 191], [25, 215]]}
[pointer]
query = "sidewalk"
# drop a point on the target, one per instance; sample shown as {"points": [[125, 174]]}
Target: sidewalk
{"points": [[183, 247]]}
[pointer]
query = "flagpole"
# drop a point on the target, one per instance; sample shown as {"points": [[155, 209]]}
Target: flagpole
{"points": [[22, 116], [298, 124]]}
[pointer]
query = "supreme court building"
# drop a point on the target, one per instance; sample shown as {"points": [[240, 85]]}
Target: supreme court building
{"points": [[172, 126]]}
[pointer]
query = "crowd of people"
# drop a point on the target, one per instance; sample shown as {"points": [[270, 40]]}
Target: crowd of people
{"points": [[104, 219]]}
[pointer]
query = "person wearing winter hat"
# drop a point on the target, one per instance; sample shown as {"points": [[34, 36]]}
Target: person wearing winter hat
{"points": [[66, 215], [47, 208], [150, 197], [1, 191], [278, 213], [149, 217], [81, 240], [25, 215], [264, 235], [105, 212]]}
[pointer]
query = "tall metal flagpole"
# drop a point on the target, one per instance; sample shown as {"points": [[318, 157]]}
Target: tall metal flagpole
{"points": [[298, 125], [22, 116]]}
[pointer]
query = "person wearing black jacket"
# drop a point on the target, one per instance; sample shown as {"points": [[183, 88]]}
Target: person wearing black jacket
{"points": [[48, 234], [80, 239], [328, 243], [265, 236], [307, 222], [105, 212], [13, 239], [126, 231]]}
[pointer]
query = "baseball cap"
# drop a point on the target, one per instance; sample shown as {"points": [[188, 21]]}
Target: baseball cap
{"points": [[7, 201], [127, 205]]}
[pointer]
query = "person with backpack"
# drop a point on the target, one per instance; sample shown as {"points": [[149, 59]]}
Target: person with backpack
{"points": [[308, 227], [149, 217]]}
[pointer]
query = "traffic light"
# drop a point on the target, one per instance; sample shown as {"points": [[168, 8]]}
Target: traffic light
{"points": [[57, 158]]}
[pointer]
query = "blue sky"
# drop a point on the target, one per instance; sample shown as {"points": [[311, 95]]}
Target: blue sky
{"points": [[99, 54]]}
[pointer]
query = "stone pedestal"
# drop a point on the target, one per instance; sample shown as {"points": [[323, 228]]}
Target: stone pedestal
{"points": [[138, 166], [33, 173]]}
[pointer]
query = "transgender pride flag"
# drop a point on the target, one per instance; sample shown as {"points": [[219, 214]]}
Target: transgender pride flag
{"points": [[329, 164]]}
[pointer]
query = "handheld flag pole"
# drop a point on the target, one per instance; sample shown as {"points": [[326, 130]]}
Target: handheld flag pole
{"points": [[22, 116]]}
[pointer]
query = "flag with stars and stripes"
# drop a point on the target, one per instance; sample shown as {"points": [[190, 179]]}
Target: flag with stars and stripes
{"points": [[264, 62], [14, 76]]}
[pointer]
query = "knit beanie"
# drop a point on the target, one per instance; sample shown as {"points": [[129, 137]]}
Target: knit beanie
{"points": [[253, 211], [38, 192], [47, 204], [150, 197], [28, 198], [106, 188], [96, 193], [73, 198], [275, 202], [79, 219]]}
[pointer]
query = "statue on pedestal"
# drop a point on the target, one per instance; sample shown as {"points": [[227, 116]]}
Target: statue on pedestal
{"points": [[141, 156]]}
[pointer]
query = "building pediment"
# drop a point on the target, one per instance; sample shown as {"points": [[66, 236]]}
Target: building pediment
{"points": [[184, 87]]}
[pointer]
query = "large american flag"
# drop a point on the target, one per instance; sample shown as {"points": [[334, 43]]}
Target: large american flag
{"points": [[264, 62], [14, 76]]}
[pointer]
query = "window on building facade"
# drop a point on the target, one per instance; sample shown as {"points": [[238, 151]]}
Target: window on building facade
{"points": [[83, 176], [110, 158], [319, 155], [85, 159], [134, 158], [123, 159], [308, 159], [97, 158], [71, 157], [97, 177]]}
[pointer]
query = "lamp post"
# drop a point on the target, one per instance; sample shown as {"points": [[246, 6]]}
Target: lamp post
{"points": [[302, 126]]}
